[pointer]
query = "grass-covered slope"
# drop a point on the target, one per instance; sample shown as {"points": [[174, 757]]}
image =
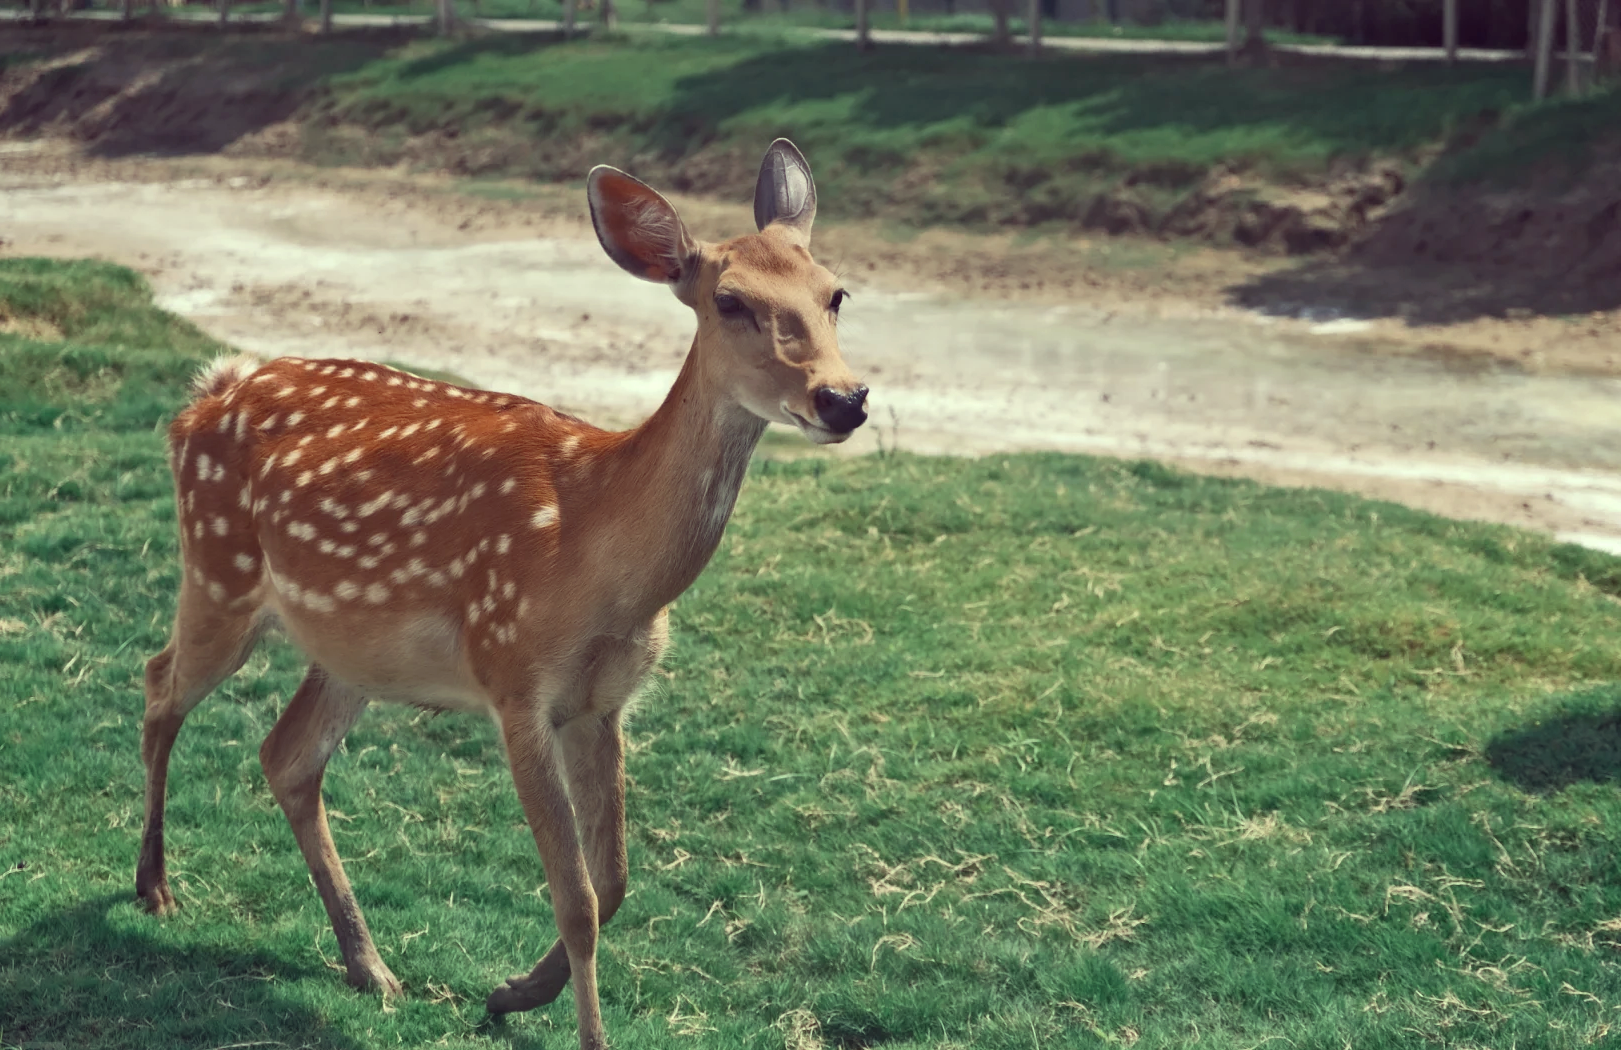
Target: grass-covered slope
{"points": [[1027, 751]]}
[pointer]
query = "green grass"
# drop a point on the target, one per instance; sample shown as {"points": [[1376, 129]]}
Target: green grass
{"points": [[1022, 751], [774, 18], [924, 135]]}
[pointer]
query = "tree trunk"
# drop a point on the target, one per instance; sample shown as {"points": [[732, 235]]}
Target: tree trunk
{"points": [[1600, 25], [1255, 28], [126, 10], [863, 29], [1449, 30], [326, 16], [1573, 49], [609, 13], [1232, 31], [712, 16], [1035, 28], [445, 16], [570, 12], [225, 13], [1000, 35], [289, 11], [1544, 43]]}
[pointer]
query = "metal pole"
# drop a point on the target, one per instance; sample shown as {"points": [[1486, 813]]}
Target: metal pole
{"points": [[1573, 49], [1544, 43]]}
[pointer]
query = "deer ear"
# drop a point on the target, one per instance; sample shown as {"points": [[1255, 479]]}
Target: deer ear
{"points": [[785, 192], [638, 228]]}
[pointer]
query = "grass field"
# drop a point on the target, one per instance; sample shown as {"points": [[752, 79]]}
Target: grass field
{"points": [[1036, 751], [775, 16], [935, 135], [913, 135]]}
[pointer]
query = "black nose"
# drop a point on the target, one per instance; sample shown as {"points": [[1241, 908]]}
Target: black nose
{"points": [[842, 412]]}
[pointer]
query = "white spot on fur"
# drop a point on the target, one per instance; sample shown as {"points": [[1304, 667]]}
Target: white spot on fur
{"points": [[245, 562], [346, 590], [544, 517], [377, 594]]}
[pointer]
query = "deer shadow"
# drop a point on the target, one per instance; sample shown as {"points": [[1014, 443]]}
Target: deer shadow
{"points": [[89, 977]]}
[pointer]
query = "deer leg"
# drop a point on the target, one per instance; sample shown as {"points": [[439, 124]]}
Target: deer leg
{"points": [[209, 644], [294, 757], [539, 781], [594, 752]]}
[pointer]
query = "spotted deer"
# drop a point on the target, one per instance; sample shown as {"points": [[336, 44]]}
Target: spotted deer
{"points": [[428, 544]]}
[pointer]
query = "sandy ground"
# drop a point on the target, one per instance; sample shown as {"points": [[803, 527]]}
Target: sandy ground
{"points": [[971, 345]]}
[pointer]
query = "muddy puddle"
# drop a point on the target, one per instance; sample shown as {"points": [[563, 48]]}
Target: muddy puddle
{"points": [[286, 267]]}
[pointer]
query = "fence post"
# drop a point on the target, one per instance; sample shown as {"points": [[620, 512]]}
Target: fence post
{"points": [[1544, 47]]}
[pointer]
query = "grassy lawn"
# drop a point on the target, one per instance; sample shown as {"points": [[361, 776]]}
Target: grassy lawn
{"points": [[774, 15], [1036, 751], [925, 135], [914, 135]]}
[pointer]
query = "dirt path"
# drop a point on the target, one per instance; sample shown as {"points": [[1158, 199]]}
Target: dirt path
{"points": [[969, 345]]}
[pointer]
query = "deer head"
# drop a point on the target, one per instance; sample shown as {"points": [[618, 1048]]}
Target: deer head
{"points": [[767, 312]]}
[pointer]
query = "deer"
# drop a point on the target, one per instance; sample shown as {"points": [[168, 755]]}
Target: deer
{"points": [[464, 550]]}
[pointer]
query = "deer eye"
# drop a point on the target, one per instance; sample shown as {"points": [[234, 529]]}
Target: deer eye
{"points": [[730, 306], [838, 300]]}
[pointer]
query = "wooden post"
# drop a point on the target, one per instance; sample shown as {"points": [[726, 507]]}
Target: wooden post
{"points": [[1255, 27], [902, 9], [1450, 31], [1573, 49], [712, 16], [1600, 25], [1544, 44], [1035, 28], [1232, 31], [863, 30]]}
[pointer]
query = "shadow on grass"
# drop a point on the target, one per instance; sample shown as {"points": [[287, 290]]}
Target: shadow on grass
{"points": [[170, 89], [1582, 742], [90, 978]]}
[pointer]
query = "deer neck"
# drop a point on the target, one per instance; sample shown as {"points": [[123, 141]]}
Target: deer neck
{"points": [[681, 471]]}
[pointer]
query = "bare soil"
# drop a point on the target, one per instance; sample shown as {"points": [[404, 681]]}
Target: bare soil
{"points": [[972, 345]]}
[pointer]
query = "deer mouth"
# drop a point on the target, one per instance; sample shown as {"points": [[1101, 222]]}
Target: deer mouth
{"points": [[816, 433]]}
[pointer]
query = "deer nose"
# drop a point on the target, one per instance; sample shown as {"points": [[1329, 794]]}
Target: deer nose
{"points": [[841, 411]]}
